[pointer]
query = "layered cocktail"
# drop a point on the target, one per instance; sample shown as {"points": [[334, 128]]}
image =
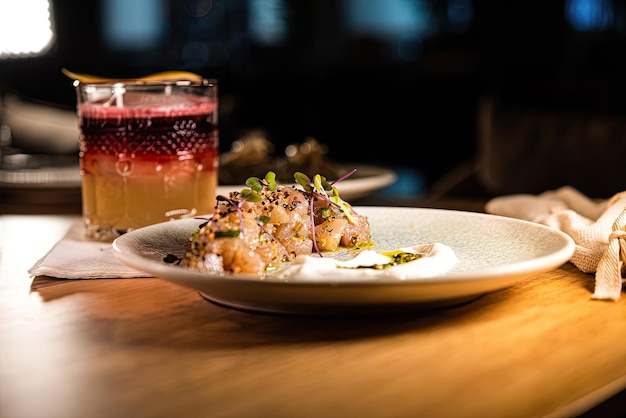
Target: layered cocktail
{"points": [[148, 153]]}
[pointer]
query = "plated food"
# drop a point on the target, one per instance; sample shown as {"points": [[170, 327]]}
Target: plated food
{"points": [[266, 224], [493, 252], [268, 228]]}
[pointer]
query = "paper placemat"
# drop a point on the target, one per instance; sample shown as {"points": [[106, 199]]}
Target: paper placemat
{"points": [[76, 257]]}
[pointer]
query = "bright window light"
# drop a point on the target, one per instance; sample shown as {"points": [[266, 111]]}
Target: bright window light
{"points": [[26, 28]]}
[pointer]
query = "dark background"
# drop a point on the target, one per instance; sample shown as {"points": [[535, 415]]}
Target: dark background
{"points": [[398, 97]]}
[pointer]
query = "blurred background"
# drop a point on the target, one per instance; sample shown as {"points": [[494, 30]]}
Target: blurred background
{"points": [[415, 85]]}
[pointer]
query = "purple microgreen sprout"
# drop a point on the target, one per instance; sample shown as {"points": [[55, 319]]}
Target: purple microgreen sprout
{"points": [[261, 221], [245, 195], [345, 176], [318, 189]]}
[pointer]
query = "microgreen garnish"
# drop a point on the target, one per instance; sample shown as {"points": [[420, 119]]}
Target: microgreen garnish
{"points": [[318, 188], [345, 176], [257, 184], [253, 194]]}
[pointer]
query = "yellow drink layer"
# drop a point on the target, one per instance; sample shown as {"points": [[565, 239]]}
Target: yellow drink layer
{"points": [[118, 202]]}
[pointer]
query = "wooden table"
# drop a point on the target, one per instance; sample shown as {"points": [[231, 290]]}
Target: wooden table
{"points": [[148, 348]]}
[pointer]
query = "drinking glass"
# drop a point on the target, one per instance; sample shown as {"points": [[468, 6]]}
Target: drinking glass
{"points": [[148, 153]]}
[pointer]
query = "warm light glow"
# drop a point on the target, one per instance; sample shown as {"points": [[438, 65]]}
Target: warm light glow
{"points": [[26, 28]]}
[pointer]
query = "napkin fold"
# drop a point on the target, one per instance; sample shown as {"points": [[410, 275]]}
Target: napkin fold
{"points": [[598, 228], [76, 257]]}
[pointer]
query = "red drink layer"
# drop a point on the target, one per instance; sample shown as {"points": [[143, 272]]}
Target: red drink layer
{"points": [[147, 164]]}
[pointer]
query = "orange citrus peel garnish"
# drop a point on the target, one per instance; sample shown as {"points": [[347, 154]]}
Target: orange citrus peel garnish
{"points": [[163, 76]]}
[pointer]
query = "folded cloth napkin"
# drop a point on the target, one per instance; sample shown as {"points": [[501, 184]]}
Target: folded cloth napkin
{"points": [[598, 228], [76, 257]]}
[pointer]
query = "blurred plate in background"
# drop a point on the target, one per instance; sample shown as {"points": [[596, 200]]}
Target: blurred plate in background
{"points": [[365, 181]]}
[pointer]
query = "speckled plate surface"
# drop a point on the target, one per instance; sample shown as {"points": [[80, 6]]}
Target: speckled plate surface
{"points": [[494, 252]]}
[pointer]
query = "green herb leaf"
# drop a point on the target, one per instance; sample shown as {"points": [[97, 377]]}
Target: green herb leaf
{"points": [[233, 233], [254, 183], [270, 179], [303, 180], [250, 195]]}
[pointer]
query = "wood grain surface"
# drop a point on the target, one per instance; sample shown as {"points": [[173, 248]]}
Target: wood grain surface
{"points": [[148, 348]]}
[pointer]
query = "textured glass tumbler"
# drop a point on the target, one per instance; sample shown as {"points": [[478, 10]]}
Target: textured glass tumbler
{"points": [[148, 153]]}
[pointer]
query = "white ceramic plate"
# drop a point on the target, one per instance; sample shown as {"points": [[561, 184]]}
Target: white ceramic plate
{"points": [[366, 180], [494, 252]]}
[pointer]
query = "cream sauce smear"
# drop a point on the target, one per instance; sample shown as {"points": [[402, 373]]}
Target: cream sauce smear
{"points": [[436, 259]]}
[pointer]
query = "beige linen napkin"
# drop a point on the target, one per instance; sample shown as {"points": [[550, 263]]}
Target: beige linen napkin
{"points": [[597, 226], [75, 257]]}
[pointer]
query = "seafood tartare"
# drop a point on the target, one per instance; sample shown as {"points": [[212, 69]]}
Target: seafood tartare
{"points": [[266, 225]]}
